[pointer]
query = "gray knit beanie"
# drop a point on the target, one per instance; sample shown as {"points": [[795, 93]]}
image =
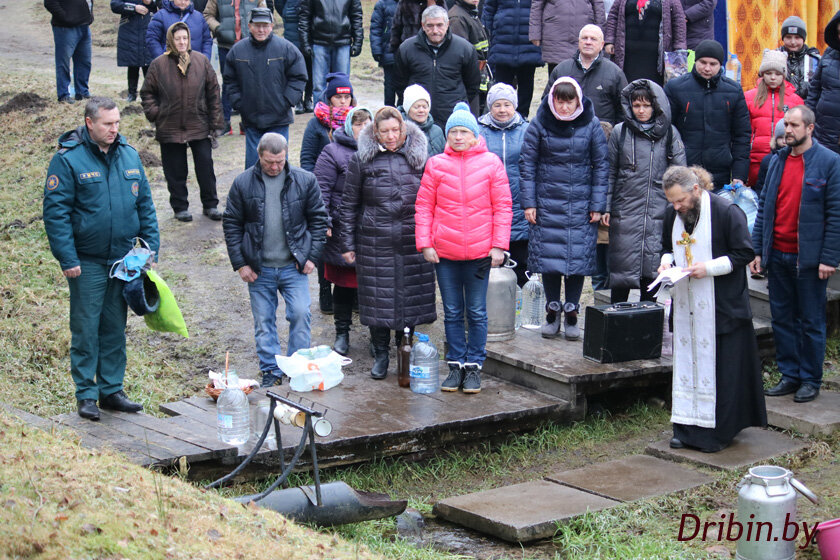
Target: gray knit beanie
{"points": [[794, 25]]}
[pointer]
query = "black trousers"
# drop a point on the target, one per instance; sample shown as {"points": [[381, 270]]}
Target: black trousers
{"points": [[134, 77], [174, 160], [519, 252], [390, 93], [522, 78]]}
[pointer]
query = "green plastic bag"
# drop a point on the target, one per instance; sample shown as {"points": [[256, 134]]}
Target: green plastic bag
{"points": [[168, 316]]}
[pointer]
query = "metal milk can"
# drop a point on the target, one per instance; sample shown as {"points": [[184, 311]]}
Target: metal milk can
{"points": [[767, 514], [501, 302]]}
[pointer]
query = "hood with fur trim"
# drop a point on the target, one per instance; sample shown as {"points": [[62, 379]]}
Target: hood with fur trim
{"points": [[415, 148]]}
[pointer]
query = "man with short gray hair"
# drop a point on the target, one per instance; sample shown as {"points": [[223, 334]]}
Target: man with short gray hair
{"points": [[717, 387], [600, 79], [275, 228], [444, 64]]}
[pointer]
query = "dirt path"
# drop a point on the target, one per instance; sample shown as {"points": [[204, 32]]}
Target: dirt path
{"points": [[193, 256]]}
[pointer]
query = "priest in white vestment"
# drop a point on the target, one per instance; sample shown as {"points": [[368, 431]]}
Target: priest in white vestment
{"points": [[717, 387]]}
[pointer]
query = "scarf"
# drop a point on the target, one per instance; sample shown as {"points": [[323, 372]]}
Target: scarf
{"points": [[489, 119], [183, 58], [331, 117]]}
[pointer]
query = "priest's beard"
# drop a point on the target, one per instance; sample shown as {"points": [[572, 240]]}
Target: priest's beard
{"points": [[691, 215]]}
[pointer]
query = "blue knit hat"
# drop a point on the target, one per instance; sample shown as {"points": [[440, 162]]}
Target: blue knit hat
{"points": [[337, 82], [461, 116]]}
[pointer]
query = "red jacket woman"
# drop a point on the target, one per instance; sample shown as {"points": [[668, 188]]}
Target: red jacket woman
{"points": [[767, 103]]}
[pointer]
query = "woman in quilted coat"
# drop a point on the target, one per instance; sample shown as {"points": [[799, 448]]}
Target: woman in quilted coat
{"points": [[563, 171], [463, 227], [376, 231]]}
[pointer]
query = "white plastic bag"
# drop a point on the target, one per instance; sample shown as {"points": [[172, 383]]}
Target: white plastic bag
{"points": [[745, 198], [313, 368]]}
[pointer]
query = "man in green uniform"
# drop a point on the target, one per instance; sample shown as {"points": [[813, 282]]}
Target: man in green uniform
{"points": [[96, 201]]}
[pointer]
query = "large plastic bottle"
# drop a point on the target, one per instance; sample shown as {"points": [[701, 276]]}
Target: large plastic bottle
{"points": [[518, 320], [232, 413], [733, 68], [404, 359], [321, 379], [424, 366], [533, 302]]}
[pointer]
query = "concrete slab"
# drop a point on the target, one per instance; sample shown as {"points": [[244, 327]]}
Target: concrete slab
{"points": [[751, 446], [632, 478], [521, 512], [820, 416]]}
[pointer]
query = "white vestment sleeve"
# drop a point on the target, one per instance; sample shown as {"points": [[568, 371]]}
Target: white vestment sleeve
{"points": [[667, 258], [719, 266]]}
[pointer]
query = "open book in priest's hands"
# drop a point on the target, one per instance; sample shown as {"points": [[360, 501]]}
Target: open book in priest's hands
{"points": [[668, 278]]}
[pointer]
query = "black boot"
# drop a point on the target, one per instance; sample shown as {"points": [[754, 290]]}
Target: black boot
{"points": [[343, 317], [379, 337]]}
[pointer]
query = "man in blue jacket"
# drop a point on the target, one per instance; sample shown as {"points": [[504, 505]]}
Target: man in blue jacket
{"points": [[265, 99], [796, 237], [71, 21], [275, 228], [96, 202]]}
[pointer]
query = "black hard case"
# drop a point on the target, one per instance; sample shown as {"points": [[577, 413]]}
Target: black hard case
{"points": [[622, 332]]}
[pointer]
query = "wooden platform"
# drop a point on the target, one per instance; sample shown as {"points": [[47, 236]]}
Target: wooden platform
{"points": [[557, 367], [370, 419]]}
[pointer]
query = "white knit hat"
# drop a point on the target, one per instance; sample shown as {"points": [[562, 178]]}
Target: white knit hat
{"points": [[773, 60], [413, 94]]}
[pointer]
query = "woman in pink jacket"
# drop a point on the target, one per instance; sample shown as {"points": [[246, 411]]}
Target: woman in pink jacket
{"points": [[463, 216]]}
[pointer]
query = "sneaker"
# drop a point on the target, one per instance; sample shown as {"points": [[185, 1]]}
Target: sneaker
{"points": [[472, 379], [131, 97], [271, 378], [80, 96], [309, 105], [571, 328], [69, 100], [183, 216], [299, 109], [551, 328], [213, 214], [455, 378]]}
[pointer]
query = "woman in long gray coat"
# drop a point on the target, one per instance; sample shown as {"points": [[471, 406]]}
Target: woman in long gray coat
{"points": [[376, 231], [554, 26], [640, 150]]}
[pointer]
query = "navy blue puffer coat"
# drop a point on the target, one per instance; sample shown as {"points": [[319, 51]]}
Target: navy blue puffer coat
{"points": [[288, 10], [200, 38], [506, 22], [564, 174], [131, 37], [824, 92]]}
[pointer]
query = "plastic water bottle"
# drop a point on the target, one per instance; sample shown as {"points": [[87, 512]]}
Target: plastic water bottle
{"points": [[424, 366], [533, 302], [232, 413], [518, 320], [733, 68]]}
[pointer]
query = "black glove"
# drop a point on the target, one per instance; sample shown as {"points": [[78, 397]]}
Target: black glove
{"points": [[356, 50], [377, 57]]}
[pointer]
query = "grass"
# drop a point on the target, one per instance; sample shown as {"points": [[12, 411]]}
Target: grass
{"points": [[64, 501]]}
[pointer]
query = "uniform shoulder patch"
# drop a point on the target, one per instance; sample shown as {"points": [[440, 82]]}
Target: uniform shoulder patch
{"points": [[135, 188], [52, 182]]}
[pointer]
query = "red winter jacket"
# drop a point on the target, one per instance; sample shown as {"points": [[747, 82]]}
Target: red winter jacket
{"points": [[763, 121], [463, 207]]}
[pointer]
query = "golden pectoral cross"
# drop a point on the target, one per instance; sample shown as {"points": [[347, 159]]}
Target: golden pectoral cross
{"points": [[686, 242]]}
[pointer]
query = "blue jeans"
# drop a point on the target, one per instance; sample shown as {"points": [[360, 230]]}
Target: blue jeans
{"points": [[797, 307], [72, 42], [324, 61], [294, 287], [227, 110], [462, 292], [252, 140]]}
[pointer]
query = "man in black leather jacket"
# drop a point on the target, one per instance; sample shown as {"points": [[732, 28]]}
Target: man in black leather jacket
{"points": [[331, 31]]}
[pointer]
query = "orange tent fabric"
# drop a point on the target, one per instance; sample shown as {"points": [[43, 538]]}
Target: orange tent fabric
{"points": [[754, 25]]}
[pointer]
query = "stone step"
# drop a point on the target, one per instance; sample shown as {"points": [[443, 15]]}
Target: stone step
{"points": [[751, 446], [632, 478], [820, 416], [522, 512]]}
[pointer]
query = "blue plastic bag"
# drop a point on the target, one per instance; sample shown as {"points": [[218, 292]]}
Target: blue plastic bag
{"points": [[745, 198]]}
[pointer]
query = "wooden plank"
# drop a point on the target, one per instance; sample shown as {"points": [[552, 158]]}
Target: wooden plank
{"points": [[117, 427], [128, 445], [184, 408], [199, 438]]}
